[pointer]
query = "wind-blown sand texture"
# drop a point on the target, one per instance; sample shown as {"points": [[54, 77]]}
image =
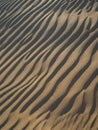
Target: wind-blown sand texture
{"points": [[49, 65]]}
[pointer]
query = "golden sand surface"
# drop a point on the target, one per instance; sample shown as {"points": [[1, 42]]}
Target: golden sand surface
{"points": [[49, 65]]}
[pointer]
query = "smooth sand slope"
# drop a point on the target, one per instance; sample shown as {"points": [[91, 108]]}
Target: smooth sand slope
{"points": [[49, 65]]}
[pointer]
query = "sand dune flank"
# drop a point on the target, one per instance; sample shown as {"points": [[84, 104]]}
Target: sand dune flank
{"points": [[49, 65]]}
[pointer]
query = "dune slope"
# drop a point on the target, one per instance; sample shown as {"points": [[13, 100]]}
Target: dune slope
{"points": [[49, 65]]}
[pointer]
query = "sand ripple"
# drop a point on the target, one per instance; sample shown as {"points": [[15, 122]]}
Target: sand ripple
{"points": [[49, 65]]}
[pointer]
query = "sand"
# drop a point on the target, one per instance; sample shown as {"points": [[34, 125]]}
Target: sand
{"points": [[49, 65]]}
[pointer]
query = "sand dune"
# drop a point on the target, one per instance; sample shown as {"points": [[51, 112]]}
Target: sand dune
{"points": [[49, 65]]}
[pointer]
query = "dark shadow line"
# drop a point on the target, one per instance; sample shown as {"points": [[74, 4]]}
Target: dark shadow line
{"points": [[14, 125], [4, 123]]}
